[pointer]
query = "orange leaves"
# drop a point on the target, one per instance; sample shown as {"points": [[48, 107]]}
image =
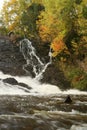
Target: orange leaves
{"points": [[43, 28], [78, 78], [12, 26], [44, 33], [57, 45], [47, 28], [12, 1]]}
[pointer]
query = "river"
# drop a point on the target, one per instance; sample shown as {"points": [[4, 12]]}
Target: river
{"points": [[39, 106]]}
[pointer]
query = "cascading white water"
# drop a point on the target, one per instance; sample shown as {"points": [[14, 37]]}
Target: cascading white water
{"points": [[39, 76], [32, 59], [39, 67], [36, 87]]}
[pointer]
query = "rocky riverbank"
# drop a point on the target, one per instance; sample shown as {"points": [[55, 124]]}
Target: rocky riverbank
{"points": [[21, 108], [12, 62]]}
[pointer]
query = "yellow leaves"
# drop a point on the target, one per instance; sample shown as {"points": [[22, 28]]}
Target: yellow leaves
{"points": [[74, 45], [57, 46], [43, 28], [44, 33], [66, 51], [47, 25], [54, 54], [12, 26], [10, 14], [78, 78], [63, 59], [12, 1]]}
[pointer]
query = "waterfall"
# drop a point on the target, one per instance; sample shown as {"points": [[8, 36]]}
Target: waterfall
{"points": [[25, 100], [39, 76], [32, 59]]}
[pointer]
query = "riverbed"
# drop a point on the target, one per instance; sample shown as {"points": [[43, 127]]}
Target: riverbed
{"points": [[50, 112]]}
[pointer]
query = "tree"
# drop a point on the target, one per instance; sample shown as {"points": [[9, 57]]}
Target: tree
{"points": [[12, 12], [61, 22], [29, 18], [3, 29], [21, 16]]}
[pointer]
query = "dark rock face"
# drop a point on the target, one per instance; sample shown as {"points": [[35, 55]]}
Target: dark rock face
{"points": [[10, 81], [13, 81], [68, 100], [54, 76], [24, 85], [11, 60]]}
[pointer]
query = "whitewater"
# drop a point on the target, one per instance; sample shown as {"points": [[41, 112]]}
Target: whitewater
{"points": [[41, 106], [37, 88]]}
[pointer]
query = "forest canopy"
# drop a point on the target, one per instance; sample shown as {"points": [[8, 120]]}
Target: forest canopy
{"points": [[61, 24]]}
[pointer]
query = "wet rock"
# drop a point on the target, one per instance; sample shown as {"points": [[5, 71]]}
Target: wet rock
{"points": [[31, 111], [29, 70], [12, 62], [11, 59], [68, 99], [55, 76], [10, 81], [13, 81], [24, 85]]}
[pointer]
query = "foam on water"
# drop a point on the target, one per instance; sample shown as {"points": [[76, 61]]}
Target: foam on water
{"points": [[73, 112], [7, 89], [75, 127], [79, 127], [37, 87]]}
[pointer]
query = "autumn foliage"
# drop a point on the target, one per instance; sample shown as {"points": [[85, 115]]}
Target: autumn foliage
{"points": [[44, 33], [61, 24], [57, 45]]}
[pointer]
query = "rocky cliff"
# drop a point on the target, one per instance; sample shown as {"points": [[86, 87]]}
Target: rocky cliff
{"points": [[12, 61]]}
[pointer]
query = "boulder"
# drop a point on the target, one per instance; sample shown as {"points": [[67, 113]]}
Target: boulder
{"points": [[13, 81], [10, 81], [24, 85], [53, 75], [68, 100]]}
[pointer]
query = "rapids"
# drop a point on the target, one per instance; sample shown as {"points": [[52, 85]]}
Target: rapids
{"points": [[42, 107], [28, 112]]}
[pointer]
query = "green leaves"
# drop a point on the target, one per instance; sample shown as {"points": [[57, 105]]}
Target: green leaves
{"points": [[78, 1], [49, 20], [84, 11]]}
